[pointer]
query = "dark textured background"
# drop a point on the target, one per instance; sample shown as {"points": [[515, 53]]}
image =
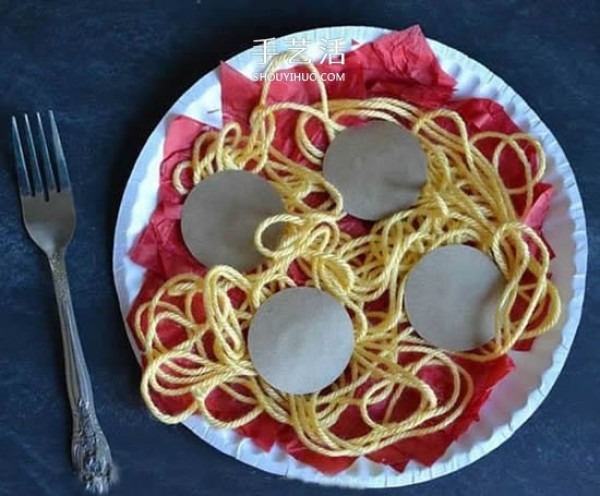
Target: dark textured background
{"points": [[111, 69]]}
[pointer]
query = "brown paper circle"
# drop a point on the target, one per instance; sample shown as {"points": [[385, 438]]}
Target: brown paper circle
{"points": [[379, 168], [451, 297], [300, 340], [221, 214]]}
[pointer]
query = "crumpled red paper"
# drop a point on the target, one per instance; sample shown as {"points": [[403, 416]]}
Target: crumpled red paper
{"points": [[399, 65]]}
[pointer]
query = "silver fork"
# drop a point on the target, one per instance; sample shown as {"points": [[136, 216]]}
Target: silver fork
{"points": [[49, 217]]}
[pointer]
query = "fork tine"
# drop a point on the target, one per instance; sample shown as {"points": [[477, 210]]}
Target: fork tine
{"points": [[36, 176], [22, 176], [59, 156], [48, 174]]}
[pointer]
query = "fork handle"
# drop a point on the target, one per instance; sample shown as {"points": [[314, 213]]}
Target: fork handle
{"points": [[90, 453]]}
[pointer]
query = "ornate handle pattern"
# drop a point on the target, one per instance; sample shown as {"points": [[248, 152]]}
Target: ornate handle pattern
{"points": [[90, 452]]}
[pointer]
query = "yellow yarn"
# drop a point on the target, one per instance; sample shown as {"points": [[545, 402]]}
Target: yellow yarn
{"points": [[464, 201]]}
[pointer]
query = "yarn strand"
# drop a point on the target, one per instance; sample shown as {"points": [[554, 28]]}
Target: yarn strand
{"points": [[464, 201]]}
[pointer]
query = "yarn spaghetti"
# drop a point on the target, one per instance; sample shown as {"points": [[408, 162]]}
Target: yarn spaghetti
{"points": [[463, 201]]}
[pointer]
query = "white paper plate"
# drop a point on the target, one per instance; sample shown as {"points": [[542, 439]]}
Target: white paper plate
{"points": [[515, 399]]}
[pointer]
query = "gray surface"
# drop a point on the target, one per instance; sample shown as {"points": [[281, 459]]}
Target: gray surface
{"points": [[111, 69], [300, 340], [451, 297], [379, 168], [211, 224]]}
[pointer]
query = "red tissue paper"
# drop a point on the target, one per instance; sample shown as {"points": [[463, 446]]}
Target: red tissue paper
{"points": [[399, 65]]}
